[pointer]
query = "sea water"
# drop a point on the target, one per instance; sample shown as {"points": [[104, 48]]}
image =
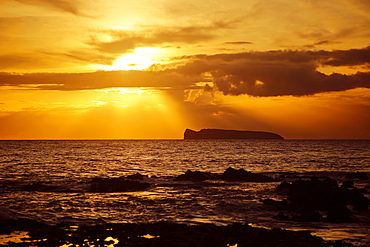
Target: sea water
{"points": [[69, 165]]}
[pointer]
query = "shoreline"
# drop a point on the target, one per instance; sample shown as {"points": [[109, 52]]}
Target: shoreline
{"points": [[323, 194], [162, 233]]}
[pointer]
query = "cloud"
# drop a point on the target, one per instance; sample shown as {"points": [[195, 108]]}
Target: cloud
{"points": [[276, 81], [84, 57], [64, 5], [9, 61], [270, 73], [98, 80], [22, 60], [45, 60], [275, 73], [323, 42], [349, 57], [124, 41], [239, 43]]}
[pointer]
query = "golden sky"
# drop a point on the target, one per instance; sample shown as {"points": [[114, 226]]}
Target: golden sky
{"points": [[81, 69]]}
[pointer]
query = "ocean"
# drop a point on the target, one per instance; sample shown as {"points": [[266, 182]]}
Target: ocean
{"points": [[50, 181]]}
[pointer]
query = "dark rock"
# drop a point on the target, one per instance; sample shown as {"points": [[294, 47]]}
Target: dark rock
{"points": [[330, 183], [195, 176], [39, 186], [116, 185], [363, 191], [172, 234], [339, 214], [314, 194], [302, 215], [21, 224], [308, 216], [306, 197], [359, 201], [232, 174], [283, 188], [229, 134], [357, 175], [347, 184], [340, 196], [281, 205], [281, 216], [137, 176]]}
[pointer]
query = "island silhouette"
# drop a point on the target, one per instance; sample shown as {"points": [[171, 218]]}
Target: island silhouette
{"points": [[229, 134]]}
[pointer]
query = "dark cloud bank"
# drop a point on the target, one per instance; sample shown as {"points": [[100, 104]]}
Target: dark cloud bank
{"points": [[275, 73], [270, 73]]}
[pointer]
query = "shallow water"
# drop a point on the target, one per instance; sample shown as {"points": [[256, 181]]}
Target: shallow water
{"points": [[71, 164]]}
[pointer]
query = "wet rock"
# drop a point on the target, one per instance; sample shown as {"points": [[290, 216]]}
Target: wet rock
{"points": [[306, 197], [172, 234], [311, 194], [39, 186], [116, 185], [354, 197], [339, 214], [315, 194], [232, 174], [195, 176], [330, 183], [340, 196], [20, 224], [359, 201], [283, 187], [308, 216], [281, 205], [281, 216], [137, 176], [357, 175], [304, 215], [6, 214], [347, 184]]}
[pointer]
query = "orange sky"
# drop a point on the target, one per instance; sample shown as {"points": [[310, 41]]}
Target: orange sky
{"points": [[149, 69]]}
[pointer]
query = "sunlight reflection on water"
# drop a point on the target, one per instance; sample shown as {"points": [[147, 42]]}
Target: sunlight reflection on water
{"points": [[72, 164], [15, 237]]}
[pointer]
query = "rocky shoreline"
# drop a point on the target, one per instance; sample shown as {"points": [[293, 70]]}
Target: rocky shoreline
{"points": [[137, 182], [307, 199], [319, 200], [159, 234]]}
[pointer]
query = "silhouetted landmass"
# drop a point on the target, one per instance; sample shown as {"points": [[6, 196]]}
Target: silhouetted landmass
{"points": [[229, 134]]}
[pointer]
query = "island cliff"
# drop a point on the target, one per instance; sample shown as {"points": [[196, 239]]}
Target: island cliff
{"points": [[229, 134]]}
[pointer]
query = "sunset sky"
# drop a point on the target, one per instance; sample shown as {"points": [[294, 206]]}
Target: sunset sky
{"points": [[82, 69]]}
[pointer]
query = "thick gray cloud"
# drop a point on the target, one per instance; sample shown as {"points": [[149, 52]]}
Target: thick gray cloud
{"points": [[276, 73], [270, 73], [348, 58], [99, 80]]}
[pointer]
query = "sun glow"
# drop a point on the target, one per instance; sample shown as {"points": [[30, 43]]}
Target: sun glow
{"points": [[141, 58]]}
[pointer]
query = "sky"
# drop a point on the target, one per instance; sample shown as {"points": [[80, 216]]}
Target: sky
{"points": [[81, 69]]}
